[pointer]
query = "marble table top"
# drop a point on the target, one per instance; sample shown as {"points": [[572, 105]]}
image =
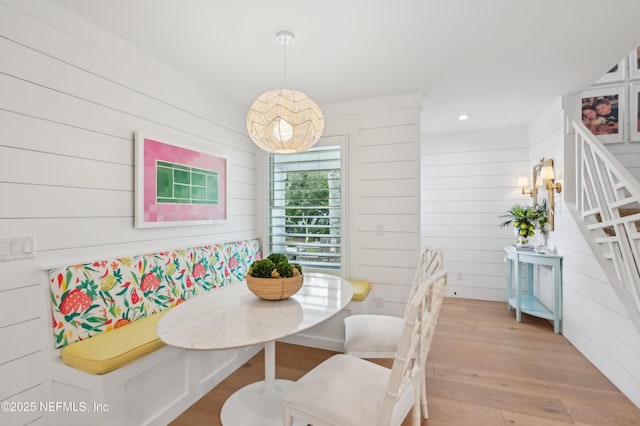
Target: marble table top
{"points": [[232, 316]]}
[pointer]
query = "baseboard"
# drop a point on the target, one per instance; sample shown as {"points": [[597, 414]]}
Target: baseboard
{"points": [[315, 342]]}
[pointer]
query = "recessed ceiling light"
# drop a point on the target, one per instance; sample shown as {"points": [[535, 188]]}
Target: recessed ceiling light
{"points": [[463, 117]]}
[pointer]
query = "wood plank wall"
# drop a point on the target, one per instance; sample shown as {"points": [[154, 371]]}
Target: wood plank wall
{"points": [[593, 319], [628, 153], [468, 180], [71, 97], [385, 169], [383, 175]]}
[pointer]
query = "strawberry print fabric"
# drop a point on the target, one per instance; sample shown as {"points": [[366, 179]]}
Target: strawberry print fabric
{"points": [[91, 298]]}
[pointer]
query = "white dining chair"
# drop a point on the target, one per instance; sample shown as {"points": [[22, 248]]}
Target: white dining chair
{"points": [[348, 391], [378, 336]]}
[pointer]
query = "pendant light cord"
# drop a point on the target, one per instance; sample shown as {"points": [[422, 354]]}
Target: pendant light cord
{"points": [[285, 64], [285, 38]]}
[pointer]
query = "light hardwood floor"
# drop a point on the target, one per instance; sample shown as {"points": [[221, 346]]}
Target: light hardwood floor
{"points": [[484, 368]]}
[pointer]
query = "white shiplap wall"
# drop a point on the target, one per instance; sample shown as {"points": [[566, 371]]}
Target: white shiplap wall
{"points": [[628, 153], [383, 175], [468, 180], [593, 319], [382, 178], [71, 97], [544, 135]]}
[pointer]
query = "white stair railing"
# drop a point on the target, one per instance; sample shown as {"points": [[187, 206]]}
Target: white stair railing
{"points": [[607, 200]]}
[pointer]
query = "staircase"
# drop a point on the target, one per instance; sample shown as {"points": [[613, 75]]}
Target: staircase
{"points": [[607, 209]]}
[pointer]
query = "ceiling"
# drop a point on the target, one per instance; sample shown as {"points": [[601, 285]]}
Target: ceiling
{"points": [[502, 62]]}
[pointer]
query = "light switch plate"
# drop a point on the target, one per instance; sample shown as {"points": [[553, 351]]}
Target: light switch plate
{"points": [[5, 248], [14, 248]]}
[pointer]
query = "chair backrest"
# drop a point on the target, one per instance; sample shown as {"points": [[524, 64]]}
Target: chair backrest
{"points": [[431, 261], [409, 362]]}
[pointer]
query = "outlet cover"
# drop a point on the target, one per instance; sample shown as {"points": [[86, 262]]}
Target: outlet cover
{"points": [[379, 303]]}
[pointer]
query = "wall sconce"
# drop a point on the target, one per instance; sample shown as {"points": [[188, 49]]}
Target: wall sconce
{"points": [[548, 176], [523, 182], [544, 177]]}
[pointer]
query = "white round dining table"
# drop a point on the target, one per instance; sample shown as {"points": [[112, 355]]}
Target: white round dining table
{"points": [[233, 317]]}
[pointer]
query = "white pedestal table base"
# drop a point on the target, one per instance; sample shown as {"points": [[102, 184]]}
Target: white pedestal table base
{"points": [[255, 405]]}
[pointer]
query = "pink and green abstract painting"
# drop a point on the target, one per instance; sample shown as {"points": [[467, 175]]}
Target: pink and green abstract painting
{"points": [[180, 185]]}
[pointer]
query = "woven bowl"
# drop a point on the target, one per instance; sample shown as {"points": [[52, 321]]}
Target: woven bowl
{"points": [[274, 288]]}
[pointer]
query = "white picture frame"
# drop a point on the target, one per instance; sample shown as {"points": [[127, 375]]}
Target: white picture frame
{"points": [[608, 127], [617, 73], [634, 64], [634, 112], [178, 184]]}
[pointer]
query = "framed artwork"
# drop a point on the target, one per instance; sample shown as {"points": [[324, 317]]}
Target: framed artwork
{"points": [[634, 64], [617, 73], [634, 112], [178, 184], [603, 112]]}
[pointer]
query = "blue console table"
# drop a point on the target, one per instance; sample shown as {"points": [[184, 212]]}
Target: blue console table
{"points": [[527, 302]]}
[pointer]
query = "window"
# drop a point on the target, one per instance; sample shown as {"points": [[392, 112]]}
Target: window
{"points": [[305, 206]]}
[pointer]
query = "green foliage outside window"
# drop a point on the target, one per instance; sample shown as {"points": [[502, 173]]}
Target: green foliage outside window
{"points": [[307, 203]]}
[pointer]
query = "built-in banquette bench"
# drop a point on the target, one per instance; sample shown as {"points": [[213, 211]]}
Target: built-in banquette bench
{"points": [[107, 353]]}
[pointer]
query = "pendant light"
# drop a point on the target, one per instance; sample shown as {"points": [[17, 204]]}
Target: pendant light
{"points": [[283, 120]]}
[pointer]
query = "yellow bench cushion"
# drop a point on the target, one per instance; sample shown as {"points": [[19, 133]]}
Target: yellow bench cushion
{"points": [[361, 289], [111, 350]]}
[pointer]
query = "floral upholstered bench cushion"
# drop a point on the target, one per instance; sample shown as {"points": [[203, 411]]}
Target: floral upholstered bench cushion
{"points": [[98, 297]]}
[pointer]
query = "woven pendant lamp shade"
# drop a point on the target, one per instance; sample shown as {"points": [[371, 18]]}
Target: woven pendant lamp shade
{"points": [[284, 121]]}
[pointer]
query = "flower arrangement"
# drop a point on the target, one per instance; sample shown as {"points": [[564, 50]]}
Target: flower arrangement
{"points": [[525, 220]]}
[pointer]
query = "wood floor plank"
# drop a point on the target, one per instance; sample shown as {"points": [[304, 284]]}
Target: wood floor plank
{"points": [[519, 419], [549, 386], [484, 369], [448, 412], [604, 414], [500, 399]]}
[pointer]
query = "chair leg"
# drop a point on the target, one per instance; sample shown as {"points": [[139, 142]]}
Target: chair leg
{"points": [[288, 418], [415, 411], [423, 400]]}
